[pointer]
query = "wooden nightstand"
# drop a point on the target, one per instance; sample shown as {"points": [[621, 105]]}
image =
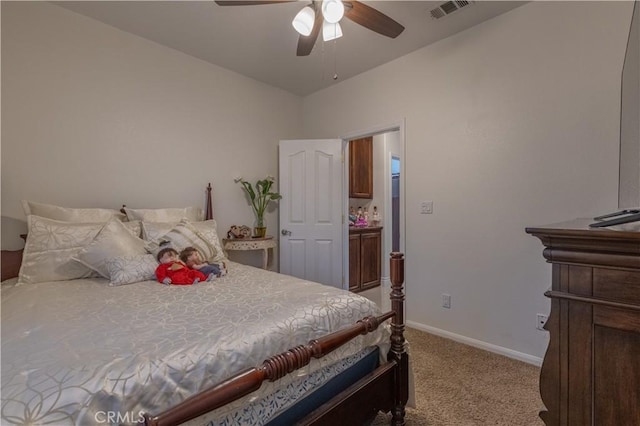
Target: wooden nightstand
{"points": [[266, 244]]}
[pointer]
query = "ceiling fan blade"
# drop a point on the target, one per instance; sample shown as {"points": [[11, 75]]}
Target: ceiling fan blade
{"points": [[370, 18], [250, 3], [305, 43]]}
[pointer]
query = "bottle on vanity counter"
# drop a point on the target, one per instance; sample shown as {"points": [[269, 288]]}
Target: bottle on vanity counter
{"points": [[361, 221], [376, 220]]}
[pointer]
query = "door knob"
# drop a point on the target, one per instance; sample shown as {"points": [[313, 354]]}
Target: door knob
{"points": [[285, 232]]}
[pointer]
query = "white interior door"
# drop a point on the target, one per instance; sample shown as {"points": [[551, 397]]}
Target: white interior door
{"points": [[311, 229]]}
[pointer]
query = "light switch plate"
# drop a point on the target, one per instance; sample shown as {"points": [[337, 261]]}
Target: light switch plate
{"points": [[426, 207]]}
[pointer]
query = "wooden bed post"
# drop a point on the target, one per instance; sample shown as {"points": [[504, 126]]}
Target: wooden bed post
{"points": [[398, 352], [208, 213]]}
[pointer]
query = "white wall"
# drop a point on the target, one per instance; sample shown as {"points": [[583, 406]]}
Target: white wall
{"points": [[512, 123], [96, 117]]}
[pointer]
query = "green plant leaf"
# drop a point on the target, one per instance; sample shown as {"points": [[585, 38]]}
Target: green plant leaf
{"points": [[260, 196]]}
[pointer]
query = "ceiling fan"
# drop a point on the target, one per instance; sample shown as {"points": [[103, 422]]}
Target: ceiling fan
{"points": [[325, 15]]}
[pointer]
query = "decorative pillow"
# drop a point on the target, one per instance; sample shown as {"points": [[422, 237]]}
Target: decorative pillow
{"points": [[49, 247], [184, 235], [208, 229], [68, 214], [131, 269], [154, 231], [165, 215], [135, 227], [113, 240]]}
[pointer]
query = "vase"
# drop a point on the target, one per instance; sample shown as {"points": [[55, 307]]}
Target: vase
{"points": [[260, 231], [261, 228]]}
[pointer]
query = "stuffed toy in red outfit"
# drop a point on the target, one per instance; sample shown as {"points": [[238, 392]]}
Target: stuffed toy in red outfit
{"points": [[173, 271]]}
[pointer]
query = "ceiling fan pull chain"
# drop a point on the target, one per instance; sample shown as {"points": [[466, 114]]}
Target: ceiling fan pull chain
{"points": [[322, 59], [335, 66]]}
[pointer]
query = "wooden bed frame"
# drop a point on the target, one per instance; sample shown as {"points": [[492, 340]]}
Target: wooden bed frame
{"points": [[385, 389]]}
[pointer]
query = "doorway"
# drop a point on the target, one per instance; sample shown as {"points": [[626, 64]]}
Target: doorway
{"points": [[395, 203], [387, 199]]}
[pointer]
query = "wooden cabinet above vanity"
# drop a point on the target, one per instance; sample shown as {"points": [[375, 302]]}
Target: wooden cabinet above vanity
{"points": [[361, 168]]}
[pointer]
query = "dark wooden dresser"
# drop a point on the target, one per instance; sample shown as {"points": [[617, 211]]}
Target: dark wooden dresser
{"points": [[591, 370]]}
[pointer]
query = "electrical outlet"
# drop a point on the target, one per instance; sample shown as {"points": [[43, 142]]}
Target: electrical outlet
{"points": [[426, 207], [541, 321], [446, 301]]}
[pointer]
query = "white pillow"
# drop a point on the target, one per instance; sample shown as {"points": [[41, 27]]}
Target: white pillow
{"points": [[155, 231], [49, 247], [165, 215], [70, 214], [131, 269], [113, 240]]}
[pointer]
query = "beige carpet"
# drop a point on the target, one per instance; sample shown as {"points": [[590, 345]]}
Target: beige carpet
{"points": [[461, 385]]}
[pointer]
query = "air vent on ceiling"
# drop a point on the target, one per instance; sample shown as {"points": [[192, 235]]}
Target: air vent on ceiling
{"points": [[449, 7]]}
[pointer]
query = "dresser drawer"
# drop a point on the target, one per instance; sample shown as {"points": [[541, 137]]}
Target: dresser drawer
{"points": [[617, 285]]}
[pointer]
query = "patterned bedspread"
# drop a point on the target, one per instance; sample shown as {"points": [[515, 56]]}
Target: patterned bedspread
{"points": [[81, 352]]}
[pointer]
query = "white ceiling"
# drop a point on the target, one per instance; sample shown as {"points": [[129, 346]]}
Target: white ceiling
{"points": [[259, 41]]}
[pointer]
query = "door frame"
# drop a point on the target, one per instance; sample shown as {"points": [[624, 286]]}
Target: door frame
{"points": [[399, 126]]}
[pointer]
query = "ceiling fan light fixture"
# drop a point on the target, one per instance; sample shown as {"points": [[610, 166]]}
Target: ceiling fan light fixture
{"points": [[331, 31], [303, 22], [332, 10]]}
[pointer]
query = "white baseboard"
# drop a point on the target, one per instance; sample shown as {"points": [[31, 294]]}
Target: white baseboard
{"points": [[520, 356]]}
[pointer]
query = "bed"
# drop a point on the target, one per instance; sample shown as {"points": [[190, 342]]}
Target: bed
{"points": [[252, 347]]}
